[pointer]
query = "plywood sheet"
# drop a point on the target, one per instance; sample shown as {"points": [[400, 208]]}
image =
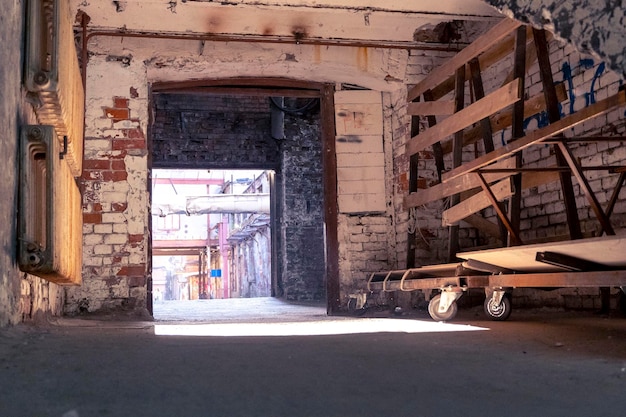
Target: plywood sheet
{"points": [[610, 251]]}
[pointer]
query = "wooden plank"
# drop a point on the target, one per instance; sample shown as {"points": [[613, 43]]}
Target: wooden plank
{"points": [[479, 92], [483, 225], [329, 165], [413, 187], [497, 100], [517, 131], [613, 200], [560, 279], [477, 202], [593, 110], [554, 114], [503, 119], [480, 45], [464, 183], [486, 60], [513, 233], [437, 152], [457, 159], [586, 189], [426, 108], [535, 179], [531, 55]]}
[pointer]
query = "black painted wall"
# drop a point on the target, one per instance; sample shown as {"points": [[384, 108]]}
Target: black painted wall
{"points": [[302, 220], [220, 131]]}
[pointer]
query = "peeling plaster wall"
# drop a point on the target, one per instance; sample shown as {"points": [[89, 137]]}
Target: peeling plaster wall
{"points": [[115, 178], [114, 186], [177, 60], [594, 27], [23, 297]]}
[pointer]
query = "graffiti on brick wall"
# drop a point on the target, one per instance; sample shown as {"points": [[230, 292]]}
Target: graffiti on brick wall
{"points": [[574, 96]]}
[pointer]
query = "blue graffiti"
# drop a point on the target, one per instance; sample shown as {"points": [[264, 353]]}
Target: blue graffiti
{"points": [[590, 97], [567, 76], [541, 118], [586, 63]]}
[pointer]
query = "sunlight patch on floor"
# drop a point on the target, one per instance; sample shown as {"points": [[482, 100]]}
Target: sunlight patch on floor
{"points": [[312, 328]]}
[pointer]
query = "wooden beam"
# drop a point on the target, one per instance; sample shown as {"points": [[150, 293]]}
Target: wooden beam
{"points": [[457, 159], [480, 45], [554, 114], [536, 136], [483, 225], [425, 108], [486, 59], [497, 100], [535, 179], [613, 200], [464, 183], [586, 189], [517, 131], [438, 153], [413, 187], [513, 233], [479, 92], [329, 165], [503, 119], [453, 215], [561, 279]]}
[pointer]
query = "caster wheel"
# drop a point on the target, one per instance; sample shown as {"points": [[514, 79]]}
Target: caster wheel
{"points": [[498, 312], [433, 310]]}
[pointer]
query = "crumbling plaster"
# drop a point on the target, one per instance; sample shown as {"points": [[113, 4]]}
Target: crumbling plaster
{"points": [[307, 20], [124, 68], [594, 27], [178, 60]]}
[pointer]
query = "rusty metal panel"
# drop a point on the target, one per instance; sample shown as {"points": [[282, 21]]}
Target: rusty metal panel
{"points": [[52, 75], [561, 279], [50, 223]]}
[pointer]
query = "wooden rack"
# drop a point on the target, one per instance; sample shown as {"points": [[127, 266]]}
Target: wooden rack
{"points": [[498, 175]]}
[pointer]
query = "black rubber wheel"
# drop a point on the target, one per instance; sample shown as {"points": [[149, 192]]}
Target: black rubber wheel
{"points": [[498, 313], [433, 307]]}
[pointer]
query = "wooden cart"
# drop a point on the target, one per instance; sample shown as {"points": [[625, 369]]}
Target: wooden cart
{"points": [[596, 262]]}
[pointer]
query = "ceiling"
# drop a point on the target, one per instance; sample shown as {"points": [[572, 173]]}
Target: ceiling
{"points": [[398, 21]]}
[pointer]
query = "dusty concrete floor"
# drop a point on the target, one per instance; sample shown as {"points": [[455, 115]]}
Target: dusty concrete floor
{"points": [[539, 363]]}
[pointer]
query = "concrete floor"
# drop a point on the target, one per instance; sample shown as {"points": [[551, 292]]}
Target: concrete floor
{"points": [[539, 363]]}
